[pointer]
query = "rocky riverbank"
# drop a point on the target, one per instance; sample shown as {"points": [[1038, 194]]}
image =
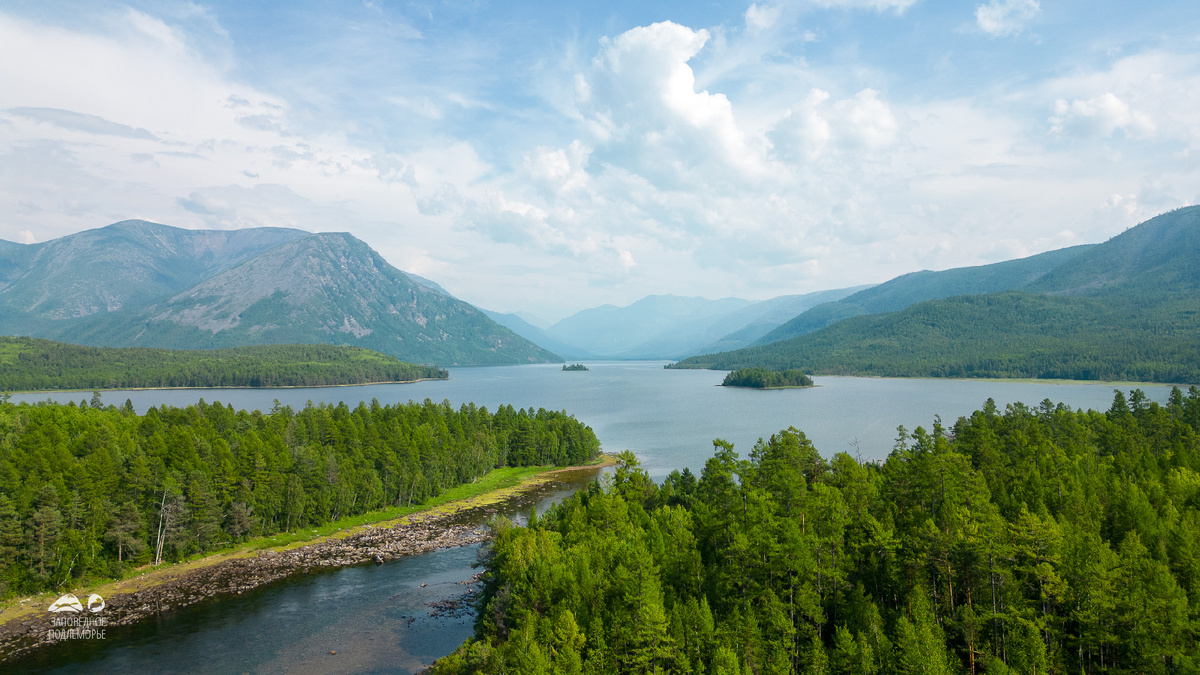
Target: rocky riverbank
{"points": [[420, 534]]}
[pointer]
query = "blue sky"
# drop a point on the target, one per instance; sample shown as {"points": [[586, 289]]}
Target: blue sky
{"points": [[547, 157]]}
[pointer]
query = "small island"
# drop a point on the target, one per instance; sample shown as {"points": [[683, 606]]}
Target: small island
{"points": [[575, 367], [760, 378]]}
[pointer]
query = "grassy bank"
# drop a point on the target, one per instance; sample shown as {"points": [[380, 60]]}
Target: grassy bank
{"points": [[497, 486]]}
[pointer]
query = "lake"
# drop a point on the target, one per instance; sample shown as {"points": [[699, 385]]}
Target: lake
{"points": [[378, 618], [669, 418]]}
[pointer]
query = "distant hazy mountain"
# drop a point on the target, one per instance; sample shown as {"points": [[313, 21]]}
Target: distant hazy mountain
{"points": [[1125, 309], [762, 317], [143, 284], [910, 289], [671, 327], [538, 336], [655, 327]]}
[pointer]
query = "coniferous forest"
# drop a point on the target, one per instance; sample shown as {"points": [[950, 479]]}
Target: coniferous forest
{"points": [[1023, 540], [759, 378], [34, 364], [89, 489]]}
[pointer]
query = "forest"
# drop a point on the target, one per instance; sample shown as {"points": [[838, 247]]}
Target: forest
{"points": [[759, 378], [1144, 338], [90, 490], [1024, 540], [34, 364]]}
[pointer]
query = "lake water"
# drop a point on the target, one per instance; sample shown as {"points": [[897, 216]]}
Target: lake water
{"points": [[378, 619], [669, 418]]}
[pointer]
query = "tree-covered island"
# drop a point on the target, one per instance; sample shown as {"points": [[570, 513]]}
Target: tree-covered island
{"points": [[761, 378], [575, 367]]}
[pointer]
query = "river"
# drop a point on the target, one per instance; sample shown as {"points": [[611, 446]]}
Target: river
{"points": [[378, 619]]}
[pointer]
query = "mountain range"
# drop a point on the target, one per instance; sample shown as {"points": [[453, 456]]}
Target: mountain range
{"points": [[136, 283], [1127, 309], [667, 326]]}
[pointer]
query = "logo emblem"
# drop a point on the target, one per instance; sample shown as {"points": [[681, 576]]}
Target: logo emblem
{"points": [[68, 603], [95, 603]]}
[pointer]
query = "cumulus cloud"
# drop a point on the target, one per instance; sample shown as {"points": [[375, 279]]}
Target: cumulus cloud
{"points": [[1151, 96], [640, 95], [1005, 17], [808, 130], [1101, 116]]}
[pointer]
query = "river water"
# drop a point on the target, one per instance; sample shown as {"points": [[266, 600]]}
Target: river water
{"points": [[378, 619]]}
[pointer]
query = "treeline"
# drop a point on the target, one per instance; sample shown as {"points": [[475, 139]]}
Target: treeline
{"points": [[1003, 335], [33, 364], [90, 489], [1029, 540], [760, 378]]}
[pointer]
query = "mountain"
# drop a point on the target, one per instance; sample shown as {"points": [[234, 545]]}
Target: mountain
{"points": [[671, 327], [1158, 257], [538, 336], [910, 289], [1127, 309], [762, 317], [148, 285], [657, 326], [123, 265]]}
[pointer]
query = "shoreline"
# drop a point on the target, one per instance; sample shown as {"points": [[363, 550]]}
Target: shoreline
{"points": [[135, 598], [1019, 380], [282, 386]]}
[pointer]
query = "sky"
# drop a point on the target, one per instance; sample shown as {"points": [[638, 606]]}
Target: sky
{"points": [[546, 157]]}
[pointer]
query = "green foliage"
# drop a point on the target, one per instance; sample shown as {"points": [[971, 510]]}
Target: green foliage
{"points": [[33, 364], [1039, 540], [1008, 335], [89, 491], [575, 367], [759, 378]]}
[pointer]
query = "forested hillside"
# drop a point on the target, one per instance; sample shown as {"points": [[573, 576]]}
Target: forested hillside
{"points": [[1006, 335], [33, 364], [1028, 540], [909, 289], [90, 490]]}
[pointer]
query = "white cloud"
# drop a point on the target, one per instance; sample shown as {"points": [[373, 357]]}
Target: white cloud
{"points": [[641, 96], [862, 121], [762, 17], [665, 158], [1102, 116], [897, 6], [1005, 17], [1152, 96]]}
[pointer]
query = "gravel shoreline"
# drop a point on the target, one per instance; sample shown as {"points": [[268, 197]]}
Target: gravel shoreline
{"points": [[420, 534]]}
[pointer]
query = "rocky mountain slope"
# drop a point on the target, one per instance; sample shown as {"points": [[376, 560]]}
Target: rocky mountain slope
{"points": [[143, 284]]}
